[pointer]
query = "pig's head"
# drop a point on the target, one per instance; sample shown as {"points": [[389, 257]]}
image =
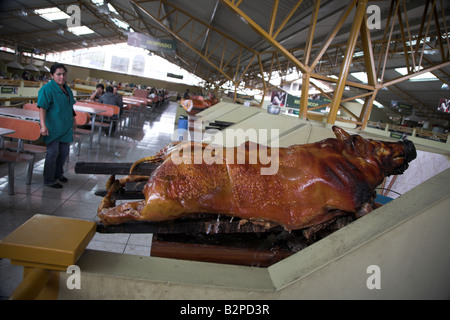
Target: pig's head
{"points": [[392, 157]]}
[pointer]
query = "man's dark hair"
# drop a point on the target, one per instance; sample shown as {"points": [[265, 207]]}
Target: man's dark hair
{"points": [[109, 89]]}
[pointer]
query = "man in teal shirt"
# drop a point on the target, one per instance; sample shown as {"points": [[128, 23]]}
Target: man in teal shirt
{"points": [[55, 100]]}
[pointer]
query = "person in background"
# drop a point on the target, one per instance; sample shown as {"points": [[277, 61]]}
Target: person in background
{"points": [[26, 75], [99, 91], [110, 98], [57, 117], [152, 94], [186, 94], [117, 94]]}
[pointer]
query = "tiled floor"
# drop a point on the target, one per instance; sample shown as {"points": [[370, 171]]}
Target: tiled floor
{"points": [[77, 199]]}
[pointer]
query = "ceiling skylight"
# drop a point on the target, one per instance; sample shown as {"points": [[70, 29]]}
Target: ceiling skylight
{"points": [[361, 76], [81, 30], [376, 103], [51, 14], [105, 8], [427, 76], [121, 24]]}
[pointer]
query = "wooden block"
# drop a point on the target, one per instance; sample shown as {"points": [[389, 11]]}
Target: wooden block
{"points": [[122, 168], [48, 242]]}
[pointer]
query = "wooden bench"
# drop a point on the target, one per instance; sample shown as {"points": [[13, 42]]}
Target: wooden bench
{"points": [[30, 106], [149, 103], [25, 130], [134, 107], [111, 114], [116, 111], [142, 94], [81, 118]]}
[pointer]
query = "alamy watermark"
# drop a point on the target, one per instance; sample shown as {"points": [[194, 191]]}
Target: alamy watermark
{"points": [[74, 280], [256, 152], [374, 280], [75, 16], [373, 17]]}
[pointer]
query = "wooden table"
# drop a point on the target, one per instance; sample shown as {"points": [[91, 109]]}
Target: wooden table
{"points": [[5, 131], [20, 113], [93, 112]]}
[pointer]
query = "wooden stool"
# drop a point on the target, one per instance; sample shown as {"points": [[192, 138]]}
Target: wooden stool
{"points": [[45, 245]]}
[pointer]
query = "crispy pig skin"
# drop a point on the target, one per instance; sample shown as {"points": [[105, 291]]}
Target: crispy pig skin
{"points": [[314, 183]]}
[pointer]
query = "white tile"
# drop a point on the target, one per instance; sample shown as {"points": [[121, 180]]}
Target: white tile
{"points": [[141, 239], [121, 238], [137, 250], [106, 246]]}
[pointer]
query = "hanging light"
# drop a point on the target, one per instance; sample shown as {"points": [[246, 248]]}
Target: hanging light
{"points": [[30, 66], [15, 64]]}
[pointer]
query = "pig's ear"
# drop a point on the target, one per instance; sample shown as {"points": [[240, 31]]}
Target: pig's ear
{"points": [[340, 134]]}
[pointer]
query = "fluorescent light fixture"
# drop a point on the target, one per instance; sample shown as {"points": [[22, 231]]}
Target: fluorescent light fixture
{"points": [[427, 76], [51, 14], [80, 30]]}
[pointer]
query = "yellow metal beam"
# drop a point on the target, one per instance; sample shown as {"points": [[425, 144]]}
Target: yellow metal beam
{"points": [[312, 28], [411, 75], [367, 108], [190, 43], [273, 17], [270, 39], [369, 60], [304, 97], [345, 67], [287, 18], [326, 43]]}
